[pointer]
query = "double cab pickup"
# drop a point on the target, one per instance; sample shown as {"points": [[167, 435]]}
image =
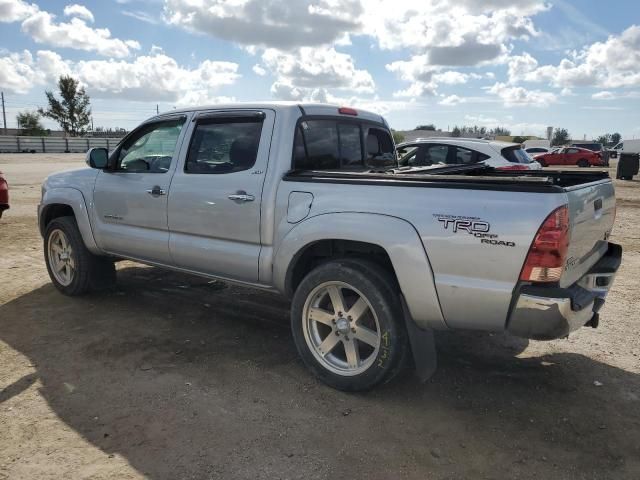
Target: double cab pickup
{"points": [[309, 200]]}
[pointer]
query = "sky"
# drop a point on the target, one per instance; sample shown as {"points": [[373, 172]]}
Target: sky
{"points": [[524, 64]]}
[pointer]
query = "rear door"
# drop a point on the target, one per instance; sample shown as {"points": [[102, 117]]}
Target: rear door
{"points": [[215, 198], [130, 201]]}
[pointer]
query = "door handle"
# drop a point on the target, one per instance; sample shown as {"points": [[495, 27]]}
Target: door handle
{"points": [[156, 191], [242, 196]]}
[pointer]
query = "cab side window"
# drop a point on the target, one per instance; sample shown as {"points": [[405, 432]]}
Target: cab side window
{"points": [[341, 145], [224, 146], [151, 148]]}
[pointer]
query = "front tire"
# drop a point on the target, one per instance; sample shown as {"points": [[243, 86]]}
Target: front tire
{"points": [[73, 269], [348, 324], [583, 163]]}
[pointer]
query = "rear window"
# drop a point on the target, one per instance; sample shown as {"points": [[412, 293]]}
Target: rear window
{"points": [[516, 155], [334, 145]]}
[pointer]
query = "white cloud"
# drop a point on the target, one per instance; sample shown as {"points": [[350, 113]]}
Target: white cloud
{"points": [[141, 15], [258, 70], [75, 33], [451, 77], [16, 10], [614, 63], [42, 27], [275, 23], [79, 11], [520, 66], [308, 70], [452, 100], [604, 95], [19, 72], [520, 96], [155, 77]]}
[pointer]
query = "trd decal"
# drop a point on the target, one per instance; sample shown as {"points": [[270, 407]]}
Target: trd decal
{"points": [[473, 226]]}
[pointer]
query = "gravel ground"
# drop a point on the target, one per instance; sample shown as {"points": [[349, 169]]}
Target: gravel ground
{"points": [[173, 377]]}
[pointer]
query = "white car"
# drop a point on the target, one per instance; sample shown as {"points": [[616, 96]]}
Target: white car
{"points": [[455, 151]]}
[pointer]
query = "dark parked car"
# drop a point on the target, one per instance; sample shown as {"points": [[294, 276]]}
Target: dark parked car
{"points": [[4, 194], [594, 147]]}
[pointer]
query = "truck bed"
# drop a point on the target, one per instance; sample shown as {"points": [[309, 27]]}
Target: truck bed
{"points": [[467, 176]]}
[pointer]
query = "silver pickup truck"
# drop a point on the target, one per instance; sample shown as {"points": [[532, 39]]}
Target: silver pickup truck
{"points": [[308, 200]]}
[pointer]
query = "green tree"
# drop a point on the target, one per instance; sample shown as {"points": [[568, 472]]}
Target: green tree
{"points": [[455, 132], [501, 131], [615, 138], [560, 137], [73, 111], [603, 139], [430, 126], [29, 123], [397, 136]]}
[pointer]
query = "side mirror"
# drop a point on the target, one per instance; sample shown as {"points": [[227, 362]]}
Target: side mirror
{"points": [[98, 158]]}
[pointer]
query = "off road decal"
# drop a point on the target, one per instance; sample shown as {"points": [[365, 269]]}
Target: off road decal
{"points": [[475, 226]]}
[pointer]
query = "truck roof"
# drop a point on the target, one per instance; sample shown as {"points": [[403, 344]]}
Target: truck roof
{"points": [[307, 108]]}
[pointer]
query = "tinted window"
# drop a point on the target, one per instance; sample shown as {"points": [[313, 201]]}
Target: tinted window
{"points": [[332, 145], [224, 146], [516, 155], [572, 150], [321, 139], [464, 155], [151, 148], [536, 150], [350, 145], [380, 147]]}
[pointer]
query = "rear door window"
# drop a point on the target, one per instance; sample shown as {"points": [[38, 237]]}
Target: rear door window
{"points": [[466, 156], [224, 146]]}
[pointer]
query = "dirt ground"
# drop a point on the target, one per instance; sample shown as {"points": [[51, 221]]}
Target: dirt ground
{"points": [[176, 377]]}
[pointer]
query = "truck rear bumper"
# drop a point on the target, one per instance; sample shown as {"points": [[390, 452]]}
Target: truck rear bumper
{"points": [[545, 312]]}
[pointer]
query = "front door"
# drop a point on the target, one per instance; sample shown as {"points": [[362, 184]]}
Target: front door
{"points": [[215, 198], [130, 213]]}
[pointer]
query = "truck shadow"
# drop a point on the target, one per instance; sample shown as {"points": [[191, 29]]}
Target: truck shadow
{"points": [[189, 378]]}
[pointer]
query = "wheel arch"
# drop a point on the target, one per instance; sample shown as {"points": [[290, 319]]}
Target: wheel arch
{"points": [[60, 202], [391, 242]]}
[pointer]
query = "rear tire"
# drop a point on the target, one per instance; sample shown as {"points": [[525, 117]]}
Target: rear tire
{"points": [[583, 163], [73, 269], [348, 324], [542, 163]]}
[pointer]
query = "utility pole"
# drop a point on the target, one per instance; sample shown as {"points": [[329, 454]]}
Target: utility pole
{"points": [[157, 109], [4, 114]]}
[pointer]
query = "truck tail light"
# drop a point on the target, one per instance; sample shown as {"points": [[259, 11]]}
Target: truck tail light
{"points": [[348, 111], [513, 167], [548, 252]]}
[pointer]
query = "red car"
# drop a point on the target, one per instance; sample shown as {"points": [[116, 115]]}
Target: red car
{"points": [[4, 194], [571, 156]]}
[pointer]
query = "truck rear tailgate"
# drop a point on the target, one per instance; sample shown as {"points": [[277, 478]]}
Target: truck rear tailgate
{"points": [[591, 213]]}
